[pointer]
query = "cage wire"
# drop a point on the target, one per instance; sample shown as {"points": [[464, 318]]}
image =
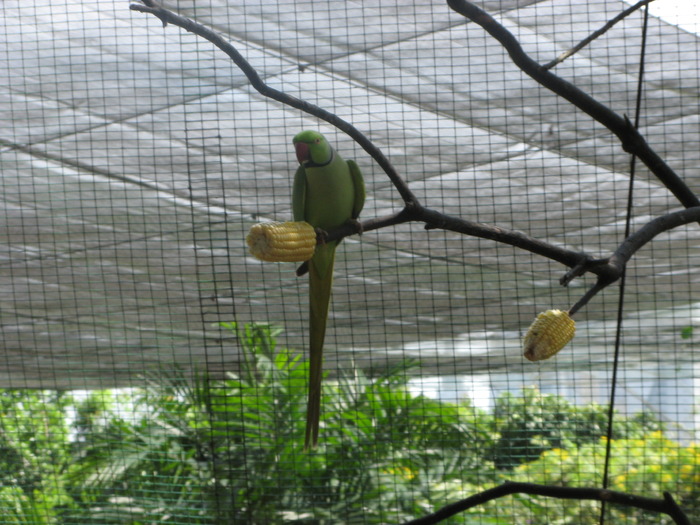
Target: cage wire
{"points": [[154, 371]]}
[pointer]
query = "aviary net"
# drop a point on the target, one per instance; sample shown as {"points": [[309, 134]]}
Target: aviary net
{"points": [[520, 158]]}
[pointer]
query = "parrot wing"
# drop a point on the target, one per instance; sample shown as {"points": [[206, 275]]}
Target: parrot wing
{"points": [[358, 182], [299, 207], [299, 195]]}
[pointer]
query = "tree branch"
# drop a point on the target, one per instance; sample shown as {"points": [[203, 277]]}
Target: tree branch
{"points": [[437, 220], [413, 211], [667, 505], [168, 17], [650, 230], [608, 270], [632, 141]]}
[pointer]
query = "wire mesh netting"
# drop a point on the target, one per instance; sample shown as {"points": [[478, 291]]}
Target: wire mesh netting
{"points": [[153, 370]]}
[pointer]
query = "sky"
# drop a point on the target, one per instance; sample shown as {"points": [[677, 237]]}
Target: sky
{"points": [[683, 13]]}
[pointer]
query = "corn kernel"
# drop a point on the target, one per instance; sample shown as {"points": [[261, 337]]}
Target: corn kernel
{"points": [[549, 333], [282, 241]]}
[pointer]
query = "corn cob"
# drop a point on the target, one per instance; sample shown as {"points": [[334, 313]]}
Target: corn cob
{"points": [[282, 241], [548, 333]]}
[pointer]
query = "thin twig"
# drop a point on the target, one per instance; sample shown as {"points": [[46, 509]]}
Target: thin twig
{"points": [[665, 506], [590, 38], [607, 270]]}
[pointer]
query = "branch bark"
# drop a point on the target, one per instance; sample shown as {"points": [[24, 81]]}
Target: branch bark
{"points": [[667, 505]]}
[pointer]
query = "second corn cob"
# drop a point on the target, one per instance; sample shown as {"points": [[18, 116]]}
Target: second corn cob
{"points": [[549, 333]]}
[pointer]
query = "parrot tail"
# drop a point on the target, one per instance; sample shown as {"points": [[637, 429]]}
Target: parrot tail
{"points": [[320, 284]]}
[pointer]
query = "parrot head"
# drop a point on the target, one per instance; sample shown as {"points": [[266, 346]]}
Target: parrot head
{"points": [[312, 149]]}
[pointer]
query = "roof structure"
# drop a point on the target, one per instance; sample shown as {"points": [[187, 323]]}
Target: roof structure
{"points": [[136, 157]]}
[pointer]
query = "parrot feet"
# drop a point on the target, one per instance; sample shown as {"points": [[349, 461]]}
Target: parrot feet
{"points": [[357, 225], [321, 235]]}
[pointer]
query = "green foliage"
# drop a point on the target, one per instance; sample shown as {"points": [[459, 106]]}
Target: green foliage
{"points": [[648, 465], [380, 444], [33, 455], [230, 450], [18, 508], [531, 423]]}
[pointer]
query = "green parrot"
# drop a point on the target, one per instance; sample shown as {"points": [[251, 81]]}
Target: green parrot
{"points": [[328, 192]]}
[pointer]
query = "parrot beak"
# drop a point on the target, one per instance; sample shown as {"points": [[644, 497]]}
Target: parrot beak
{"points": [[303, 152]]}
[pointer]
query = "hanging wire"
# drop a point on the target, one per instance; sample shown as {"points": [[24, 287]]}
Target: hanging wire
{"points": [[621, 296]]}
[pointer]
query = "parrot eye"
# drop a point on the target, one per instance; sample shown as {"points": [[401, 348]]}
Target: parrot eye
{"points": [[317, 141]]}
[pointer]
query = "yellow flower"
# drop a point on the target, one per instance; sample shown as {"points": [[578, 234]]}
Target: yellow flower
{"points": [[400, 471], [686, 470], [620, 481]]}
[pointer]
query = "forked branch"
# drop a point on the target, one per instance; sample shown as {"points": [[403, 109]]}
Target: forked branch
{"points": [[607, 270]]}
